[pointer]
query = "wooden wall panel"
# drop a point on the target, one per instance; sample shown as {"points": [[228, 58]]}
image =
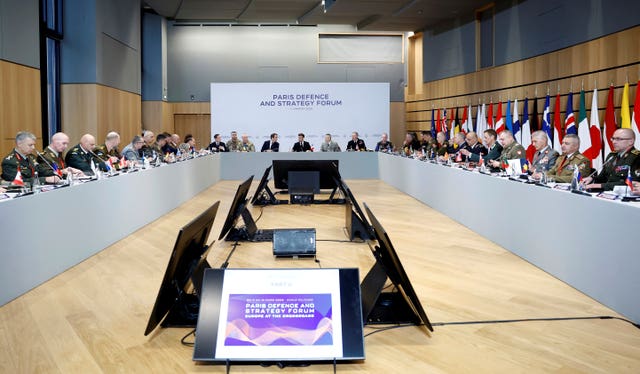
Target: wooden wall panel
{"points": [[396, 123], [157, 116], [198, 125], [20, 105], [96, 109], [193, 107], [612, 59]]}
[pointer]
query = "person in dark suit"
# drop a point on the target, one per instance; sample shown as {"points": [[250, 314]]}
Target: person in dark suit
{"points": [[81, 156], [494, 149], [301, 145], [356, 144], [217, 145], [473, 147], [271, 145]]}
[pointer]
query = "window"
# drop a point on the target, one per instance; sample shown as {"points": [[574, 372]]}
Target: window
{"points": [[50, 37]]}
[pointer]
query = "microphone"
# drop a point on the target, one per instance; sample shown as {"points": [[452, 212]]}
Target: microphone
{"points": [[598, 171], [48, 164]]}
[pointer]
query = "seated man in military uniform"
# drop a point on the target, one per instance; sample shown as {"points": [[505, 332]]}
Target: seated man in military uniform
{"points": [[474, 149], [329, 145], [493, 148], [441, 144], [428, 143], [52, 155], [545, 156], [624, 160], [234, 144], [570, 160], [150, 149], [109, 150], [356, 144], [81, 156], [384, 145], [21, 159], [511, 150]]}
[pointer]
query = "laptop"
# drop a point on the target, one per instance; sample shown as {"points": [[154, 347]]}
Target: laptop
{"points": [[294, 242]]}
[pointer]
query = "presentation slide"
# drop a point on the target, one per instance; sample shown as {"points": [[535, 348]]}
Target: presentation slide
{"points": [[315, 109], [288, 314]]}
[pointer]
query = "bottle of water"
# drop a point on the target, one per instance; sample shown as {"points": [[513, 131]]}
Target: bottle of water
{"points": [[35, 183], [69, 178]]}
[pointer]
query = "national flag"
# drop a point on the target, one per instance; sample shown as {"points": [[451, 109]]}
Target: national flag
{"points": [[469, 126], [123, 163], [569, 119], [624, 108], [490, 122], [438, 123], [535, 119], [635, 120], [18, 179], [463, 127], [629, 180], [546, 121], [516, 122], [583, 125], [452, 124], [458, 157], [557, 126], [499, 120], [509, 123], [481, 124], [526, 132], [433, 124], [56, 170], [456, 123], [610, 125], [443, 126], [595, 152]]}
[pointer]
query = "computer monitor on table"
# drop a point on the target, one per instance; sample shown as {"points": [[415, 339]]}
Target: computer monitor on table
{"points": [[174, 305], [400, 305], [249, 232], [281, 169]]}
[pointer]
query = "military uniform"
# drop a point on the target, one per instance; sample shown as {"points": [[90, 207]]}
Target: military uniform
{"points": [[442, 149], [81, 160], [234, 146], [247, 147], [358, 145], [615, 169], [565, 166], [408, 149], [544, 159], [102, 152], [27, 165], [384, 147], [53, 158], [150, 151], [512, 152], [428, 147]]}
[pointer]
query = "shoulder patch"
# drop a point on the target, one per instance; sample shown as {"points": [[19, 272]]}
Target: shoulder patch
{"points": [[636, 152]]}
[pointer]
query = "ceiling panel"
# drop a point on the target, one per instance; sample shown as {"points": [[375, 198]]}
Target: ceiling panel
{"points": [[373, 15]]}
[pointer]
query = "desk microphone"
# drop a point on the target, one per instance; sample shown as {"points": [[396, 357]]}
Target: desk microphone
{"points": [[55, 172]]}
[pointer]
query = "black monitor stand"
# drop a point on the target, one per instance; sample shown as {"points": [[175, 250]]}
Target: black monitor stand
{"points": [[383, 307], [267, 197], [249, 232], [184, 312], [353, 223]]}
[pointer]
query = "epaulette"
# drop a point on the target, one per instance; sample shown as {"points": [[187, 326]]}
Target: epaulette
{"points": [[636, 152]]}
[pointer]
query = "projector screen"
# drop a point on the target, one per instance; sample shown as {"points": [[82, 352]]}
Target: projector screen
{"points": [[315, 109]]}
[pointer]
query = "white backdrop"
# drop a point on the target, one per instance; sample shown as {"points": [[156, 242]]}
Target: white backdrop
{"points": [[259, 109]]}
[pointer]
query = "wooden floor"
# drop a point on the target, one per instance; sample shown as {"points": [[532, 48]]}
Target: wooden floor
{"points": [[91, 318]]}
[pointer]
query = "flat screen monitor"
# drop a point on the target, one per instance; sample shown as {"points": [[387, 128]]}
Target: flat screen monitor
{"points": [[263, 194], [401, 306], [280, 315], [294, 242], [174, 306], [238, 206], [281, 169], [304, 182], [355, 219]]}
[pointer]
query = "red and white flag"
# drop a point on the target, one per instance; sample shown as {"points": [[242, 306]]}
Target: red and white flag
{"points": [[499, 120], [635, 119], [557, 126], [594, 153], [18, 179], [490, 123]]}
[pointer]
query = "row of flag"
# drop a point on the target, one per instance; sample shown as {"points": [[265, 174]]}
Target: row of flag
{"points": [[594, 144]]}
